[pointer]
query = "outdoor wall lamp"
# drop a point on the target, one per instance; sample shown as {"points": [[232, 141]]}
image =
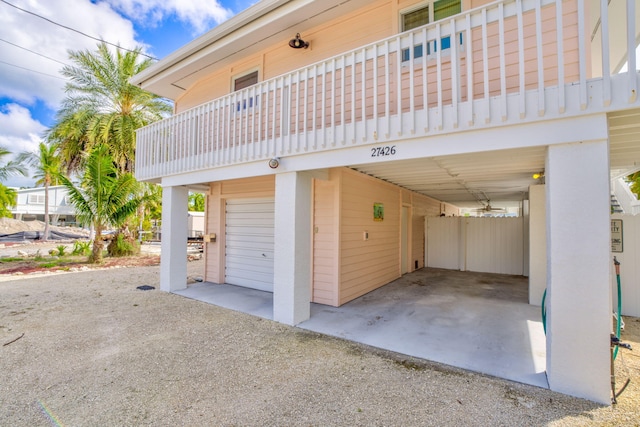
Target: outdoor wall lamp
{"points": [[298, 43], [274, 163], [538, 175]]}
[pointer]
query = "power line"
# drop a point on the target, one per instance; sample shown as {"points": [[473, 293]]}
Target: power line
{"points": [[29, 50], [77, 31], [33, 71]]}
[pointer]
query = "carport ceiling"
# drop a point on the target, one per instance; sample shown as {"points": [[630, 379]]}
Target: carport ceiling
{"points": [[503, 177], [466, 180]]}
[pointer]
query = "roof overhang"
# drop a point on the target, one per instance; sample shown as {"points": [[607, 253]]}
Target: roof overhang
{"points": [[263, 24]]}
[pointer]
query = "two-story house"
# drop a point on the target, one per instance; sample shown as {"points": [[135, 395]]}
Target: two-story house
{"points": [[30, 205], [327, 133]]}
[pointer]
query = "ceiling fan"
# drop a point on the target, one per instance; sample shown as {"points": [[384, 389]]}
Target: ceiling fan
{"points": [[488, 208]]}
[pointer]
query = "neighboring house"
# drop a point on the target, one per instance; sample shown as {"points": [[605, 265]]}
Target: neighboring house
{"points": [[325, 166], [30, 205]]}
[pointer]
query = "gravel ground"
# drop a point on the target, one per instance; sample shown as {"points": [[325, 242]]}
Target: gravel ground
{"points": [[89, 349]]}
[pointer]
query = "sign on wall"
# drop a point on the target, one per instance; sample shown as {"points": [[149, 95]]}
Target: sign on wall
{"points": [[616, 235], [378, 212]]}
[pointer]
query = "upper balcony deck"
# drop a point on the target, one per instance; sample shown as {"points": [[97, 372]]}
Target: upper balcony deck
{"points": [[509, 62]]}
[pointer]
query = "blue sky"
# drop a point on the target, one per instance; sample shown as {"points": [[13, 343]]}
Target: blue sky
{"points": [[33, 50]]}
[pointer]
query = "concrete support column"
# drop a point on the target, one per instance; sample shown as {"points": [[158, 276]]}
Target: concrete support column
{"points": [[173, 261], [537, 244], [578, 263], [292, 258]]}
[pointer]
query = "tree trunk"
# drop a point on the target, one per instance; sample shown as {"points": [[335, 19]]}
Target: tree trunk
{"points": [[98, 246], [45, 237]]}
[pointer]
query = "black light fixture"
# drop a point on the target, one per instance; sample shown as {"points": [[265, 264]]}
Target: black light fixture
{"points": [[298, 43]]}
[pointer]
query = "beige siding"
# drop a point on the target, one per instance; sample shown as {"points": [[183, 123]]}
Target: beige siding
{"points": [[325, 243], [345, 265], [374, 22], [214, 272], [220, 191], [261, 186], [367, 264], [350, 31]]}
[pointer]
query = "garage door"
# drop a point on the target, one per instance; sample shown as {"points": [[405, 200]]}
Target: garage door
{"points": [[249, 243]]}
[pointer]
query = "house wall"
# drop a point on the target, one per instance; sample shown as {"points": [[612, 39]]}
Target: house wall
{"points": [[345, 265], [326, 248], [379, 20], [263, 186], [366, 264]]}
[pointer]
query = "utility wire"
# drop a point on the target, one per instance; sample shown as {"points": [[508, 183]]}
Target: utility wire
{"points": [[77, 31], [29, 50], [34, 71]]}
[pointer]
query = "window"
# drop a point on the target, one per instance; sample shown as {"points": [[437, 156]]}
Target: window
{"points": [[431, 12], [36, 199], [245, 81]]}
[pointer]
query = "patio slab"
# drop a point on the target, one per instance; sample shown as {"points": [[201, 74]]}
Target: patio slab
{"points": [[476, 321]]}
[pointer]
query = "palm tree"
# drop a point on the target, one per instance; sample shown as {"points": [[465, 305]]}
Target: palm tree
{"points": [[47, 171], [12, 167], [102, 107], [8, 195], [7, 198], [104, 197]]}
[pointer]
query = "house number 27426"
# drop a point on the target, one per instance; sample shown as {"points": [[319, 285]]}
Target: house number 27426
{"points": [[387, 150]]}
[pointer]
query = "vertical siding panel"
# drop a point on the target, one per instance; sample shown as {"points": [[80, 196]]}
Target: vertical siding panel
{"points": [[213, 224], [494, 245], [443, 242], [325, 244]]}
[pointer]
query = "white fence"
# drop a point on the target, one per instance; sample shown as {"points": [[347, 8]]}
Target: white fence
{"points": [[490, 245]]}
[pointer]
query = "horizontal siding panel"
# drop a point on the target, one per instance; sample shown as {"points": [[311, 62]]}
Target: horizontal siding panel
{"points": [[237, 187]]}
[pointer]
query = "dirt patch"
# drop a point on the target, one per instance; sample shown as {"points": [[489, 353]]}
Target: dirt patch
{"points": [[30, 266], [89, 348]]}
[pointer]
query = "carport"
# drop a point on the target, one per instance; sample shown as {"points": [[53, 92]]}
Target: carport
{"points": [[487, 325], [476, 321]]}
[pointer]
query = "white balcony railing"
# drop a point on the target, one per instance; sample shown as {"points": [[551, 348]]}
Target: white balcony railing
{"points": [[510, 61]]}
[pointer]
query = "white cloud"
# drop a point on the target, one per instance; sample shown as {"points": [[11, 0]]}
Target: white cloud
{"points": [[19, 132], [199, 14], [39, 77]]}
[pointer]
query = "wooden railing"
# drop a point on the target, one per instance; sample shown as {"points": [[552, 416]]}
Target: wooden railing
{"points": [[507, 62]]}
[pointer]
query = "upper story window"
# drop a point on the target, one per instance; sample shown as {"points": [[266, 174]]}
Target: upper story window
{"points": [[35, 199], [430, 11], [245, 81]]}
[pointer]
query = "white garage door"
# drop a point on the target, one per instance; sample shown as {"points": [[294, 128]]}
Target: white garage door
{"points": [[249, 243]]}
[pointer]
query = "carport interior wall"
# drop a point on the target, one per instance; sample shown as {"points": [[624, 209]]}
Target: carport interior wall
{"points": [[352, 253]]}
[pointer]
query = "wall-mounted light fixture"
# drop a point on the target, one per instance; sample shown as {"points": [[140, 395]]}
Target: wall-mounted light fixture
{"points": [[538, 175], [274, 163], [298, 43]]}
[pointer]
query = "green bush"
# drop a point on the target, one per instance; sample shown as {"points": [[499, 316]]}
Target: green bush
{"points": [[61, 250], [81, 248], [122, 245]]}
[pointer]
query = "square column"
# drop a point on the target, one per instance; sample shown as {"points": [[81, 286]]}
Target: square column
{"points": [[537, 244], [292, 254], [578, 264], [173, 260]]}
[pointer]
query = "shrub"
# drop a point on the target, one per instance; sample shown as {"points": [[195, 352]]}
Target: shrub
{"points": [[123, 245], [81, 248], [61, 250]]}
